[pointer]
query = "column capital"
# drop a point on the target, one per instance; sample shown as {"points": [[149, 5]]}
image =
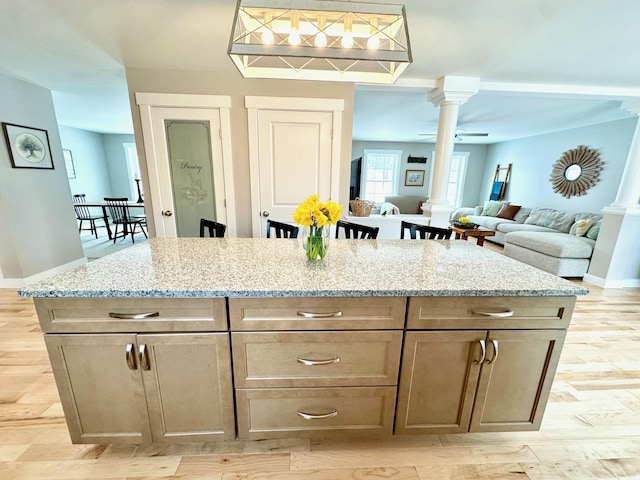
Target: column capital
{"points": [[632, 106], [454, 90]]}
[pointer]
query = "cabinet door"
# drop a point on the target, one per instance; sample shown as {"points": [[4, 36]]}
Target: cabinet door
{"points": [[438, 380], [101, 392], [187, 380], [516, 379]]}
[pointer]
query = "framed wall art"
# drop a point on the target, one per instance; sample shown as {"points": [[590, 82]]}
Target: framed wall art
{"points": [[68, 163], [414, 178], [28, 147]]}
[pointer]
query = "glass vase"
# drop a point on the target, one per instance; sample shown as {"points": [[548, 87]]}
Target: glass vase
{"points": [[315, 241]]}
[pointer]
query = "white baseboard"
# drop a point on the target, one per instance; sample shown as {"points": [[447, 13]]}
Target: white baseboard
{"points": [[604, 283], [21, 282]]}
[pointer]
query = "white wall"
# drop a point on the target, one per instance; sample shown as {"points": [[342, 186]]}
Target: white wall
{"points": [[533, 160], [38, 230], [474, 173], [117, 165]]}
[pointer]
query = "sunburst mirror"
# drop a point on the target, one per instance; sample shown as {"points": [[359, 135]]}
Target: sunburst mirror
{"points": [[576, 171]]}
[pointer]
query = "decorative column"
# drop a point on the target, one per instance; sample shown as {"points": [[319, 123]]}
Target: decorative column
{"points": [[616, 259], [450, 93]]}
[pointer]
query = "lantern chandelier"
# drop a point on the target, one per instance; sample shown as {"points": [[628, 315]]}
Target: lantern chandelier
{"points": [[320, 40]]}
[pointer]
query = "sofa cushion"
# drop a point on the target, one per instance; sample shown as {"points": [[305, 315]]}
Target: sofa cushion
{"points": [[508, 211], [582, 227], [593, 217], [522, 214], [407, 203], [490, 223], [560, 245], [491, 208], [548, 217], [507, 227]]}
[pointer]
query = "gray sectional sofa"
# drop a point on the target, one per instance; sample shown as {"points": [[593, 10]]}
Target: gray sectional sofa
{"points": [[555, 241]]}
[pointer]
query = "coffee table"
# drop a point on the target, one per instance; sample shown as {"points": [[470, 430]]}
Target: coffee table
{"points": [[465, 233]]}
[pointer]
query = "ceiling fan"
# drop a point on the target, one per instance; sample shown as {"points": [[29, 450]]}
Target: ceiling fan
{"points": [[459, 136]]}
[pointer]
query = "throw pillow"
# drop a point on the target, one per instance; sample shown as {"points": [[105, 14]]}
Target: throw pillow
{"points": [[508, 211], [582, 227], [491, 208], [594, 231]]}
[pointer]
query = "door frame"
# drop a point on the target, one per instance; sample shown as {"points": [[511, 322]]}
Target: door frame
{"points": [[254, 104], [146, 103]]}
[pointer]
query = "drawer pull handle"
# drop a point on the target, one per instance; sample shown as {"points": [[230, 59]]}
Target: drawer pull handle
{"points": [[130, 357], [311, 416], [483, 346], [337, 313], [144, 357], [495, 352], [133, 316], [329, 361], [508, 313]]}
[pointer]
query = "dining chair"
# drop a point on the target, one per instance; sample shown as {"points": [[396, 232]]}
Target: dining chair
{"points": [[426, 231], [355, 230], [215, 229], [282, 230], [83, 213], [120, 216]]}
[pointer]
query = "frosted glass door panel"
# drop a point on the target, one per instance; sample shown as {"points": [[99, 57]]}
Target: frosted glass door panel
{"points": [[190, 166]]}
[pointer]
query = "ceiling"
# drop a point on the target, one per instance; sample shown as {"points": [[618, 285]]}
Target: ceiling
{"points": [[544, 65]]}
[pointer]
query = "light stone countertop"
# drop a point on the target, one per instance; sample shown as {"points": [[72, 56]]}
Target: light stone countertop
{"points": [[243, 267]]}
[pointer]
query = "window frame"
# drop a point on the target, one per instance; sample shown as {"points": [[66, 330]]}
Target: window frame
{"points": [[394, 173]]}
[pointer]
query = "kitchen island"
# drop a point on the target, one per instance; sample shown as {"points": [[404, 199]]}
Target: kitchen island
{"points": [[183, 340]]}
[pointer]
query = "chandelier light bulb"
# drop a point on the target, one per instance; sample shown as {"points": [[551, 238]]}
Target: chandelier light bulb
{"points": [[320, 40], [294, 37], [267, 34], [347, 36]]}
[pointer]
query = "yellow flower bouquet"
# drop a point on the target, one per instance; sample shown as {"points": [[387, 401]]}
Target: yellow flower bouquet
{"points": [[315, 215]]}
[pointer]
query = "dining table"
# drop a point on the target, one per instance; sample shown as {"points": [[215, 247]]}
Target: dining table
{"points": [[102, 204]]}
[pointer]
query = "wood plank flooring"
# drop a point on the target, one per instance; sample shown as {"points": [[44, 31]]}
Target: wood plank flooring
{"points": [[591, 428]]}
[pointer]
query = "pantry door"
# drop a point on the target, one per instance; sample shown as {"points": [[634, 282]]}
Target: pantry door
{"points": [[187, 145], [294, 150]]}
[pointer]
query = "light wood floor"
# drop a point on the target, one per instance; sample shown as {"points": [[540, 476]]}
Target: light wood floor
{"points": [[591, 427]]}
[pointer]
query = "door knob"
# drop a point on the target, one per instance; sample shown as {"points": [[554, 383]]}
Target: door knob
{"points": [[265, 214], [167, 213]]}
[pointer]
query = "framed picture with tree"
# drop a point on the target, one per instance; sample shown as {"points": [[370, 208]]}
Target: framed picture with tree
{"points": [[28, 146]]}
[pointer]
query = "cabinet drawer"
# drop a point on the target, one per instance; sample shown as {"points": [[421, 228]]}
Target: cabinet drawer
{"points": [[291, 412], [309, 359], [335, 313], [453, 313], [104, 315]]}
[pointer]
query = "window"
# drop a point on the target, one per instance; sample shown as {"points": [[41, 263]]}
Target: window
{"points": [[133, 170], [455, 185], [380, 174]]}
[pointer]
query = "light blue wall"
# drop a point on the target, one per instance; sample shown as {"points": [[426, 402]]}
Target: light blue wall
{"points": [[38, 230], [475, 166], [92, 174], [533, 160]]}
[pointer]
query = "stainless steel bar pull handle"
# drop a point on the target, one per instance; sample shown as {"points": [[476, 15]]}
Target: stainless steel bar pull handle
{"points": [[329, 361], [337, 313], [133, 316], [483, 346], [495, 352], [311, 416], [144, 357], [505, 314], [130, 357]]}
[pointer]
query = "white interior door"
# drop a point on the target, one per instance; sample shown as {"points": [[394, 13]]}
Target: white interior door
{"points": [[294, 150], [189, 178]]}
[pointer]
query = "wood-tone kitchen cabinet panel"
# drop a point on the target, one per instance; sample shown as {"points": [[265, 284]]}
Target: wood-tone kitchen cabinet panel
{"points": [[144, 388], [317, 313], [516, 380], [434, 313], [295, 412], [313, 359], [438, 380], [102, 398], [188, 387], [116, 315]]}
